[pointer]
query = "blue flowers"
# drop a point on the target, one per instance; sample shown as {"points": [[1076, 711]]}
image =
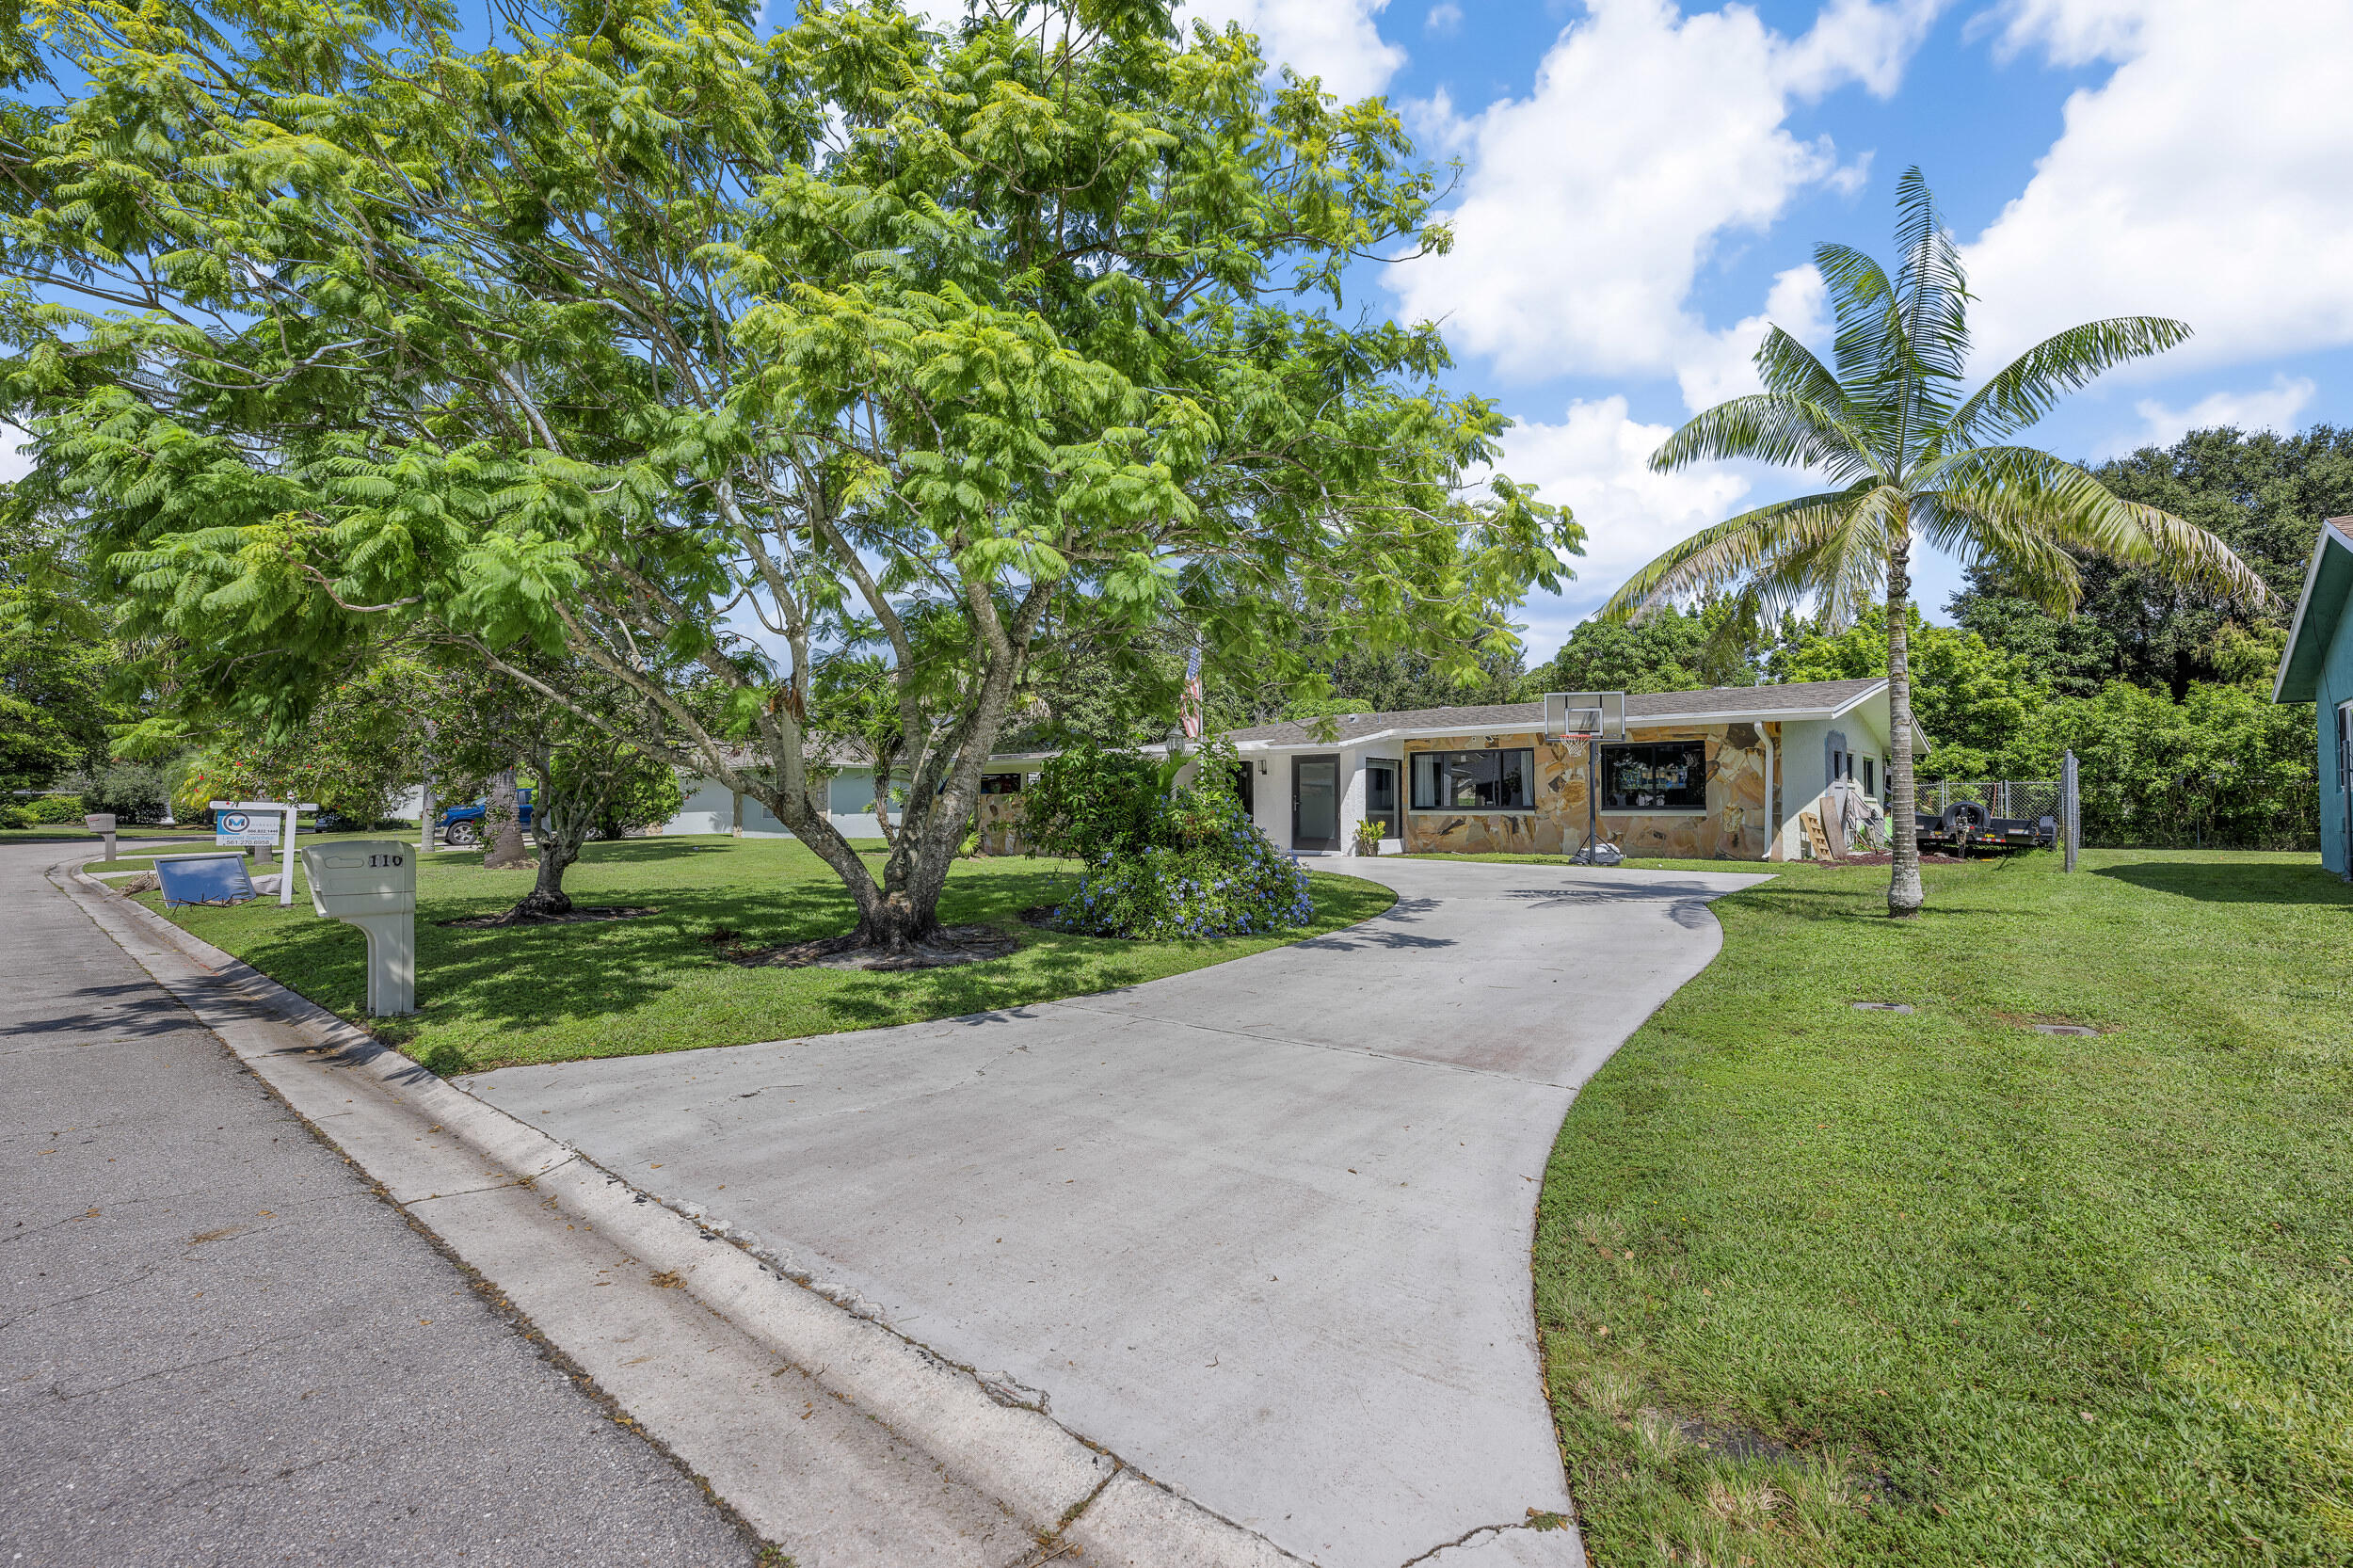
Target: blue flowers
{"points": [[1229, 884]]}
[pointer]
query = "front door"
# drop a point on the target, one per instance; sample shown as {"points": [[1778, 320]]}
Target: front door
{"points": [[1315, 803]]}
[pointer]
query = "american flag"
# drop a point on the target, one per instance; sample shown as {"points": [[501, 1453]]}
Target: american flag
{"points": [[1190, 710]]}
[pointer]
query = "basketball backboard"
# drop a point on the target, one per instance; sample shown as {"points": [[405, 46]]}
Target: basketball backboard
{"points": [[1585, 716]]}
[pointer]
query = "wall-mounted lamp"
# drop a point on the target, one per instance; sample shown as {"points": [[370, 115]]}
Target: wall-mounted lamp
{"points": [[1262, 766]]}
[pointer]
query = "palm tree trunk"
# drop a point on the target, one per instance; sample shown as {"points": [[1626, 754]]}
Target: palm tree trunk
{"points": [[1905, 894]]}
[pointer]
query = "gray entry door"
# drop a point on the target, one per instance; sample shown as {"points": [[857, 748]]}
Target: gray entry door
{"points": [[1315, 803]]}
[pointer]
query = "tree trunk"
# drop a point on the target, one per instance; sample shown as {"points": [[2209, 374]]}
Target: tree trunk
{"points": [[1905, 895], [882, 801], [559, 823], [505, 814]]}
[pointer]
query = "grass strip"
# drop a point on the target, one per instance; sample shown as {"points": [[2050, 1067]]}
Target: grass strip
{"points": [[498, 998], [1818, 1286]]}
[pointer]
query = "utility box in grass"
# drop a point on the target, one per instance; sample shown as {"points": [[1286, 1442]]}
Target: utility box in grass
{"points": [[372, 884]]}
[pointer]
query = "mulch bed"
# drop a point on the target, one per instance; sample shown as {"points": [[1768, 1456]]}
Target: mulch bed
{"points": [[1040, 915], [579, 914], [950, 945]]}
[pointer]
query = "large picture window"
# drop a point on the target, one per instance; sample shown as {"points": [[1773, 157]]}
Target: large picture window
{"points": [[1670, 777], [1474, 780]]}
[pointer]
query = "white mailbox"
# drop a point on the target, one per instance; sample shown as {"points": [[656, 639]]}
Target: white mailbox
{"points": [[372, 884], [102, 823]]}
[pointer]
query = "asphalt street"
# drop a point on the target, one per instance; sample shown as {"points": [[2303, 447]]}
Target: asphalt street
{"points": [[218, 1345]]}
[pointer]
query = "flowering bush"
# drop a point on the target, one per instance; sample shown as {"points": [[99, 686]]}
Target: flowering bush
{"points": [[1213, 875]]}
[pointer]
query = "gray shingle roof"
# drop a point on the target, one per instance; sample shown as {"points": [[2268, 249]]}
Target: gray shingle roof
{"points": [[1800, 696]]}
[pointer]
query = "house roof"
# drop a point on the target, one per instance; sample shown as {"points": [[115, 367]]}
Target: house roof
{"points": [[1800, 699], [2327, 584]]}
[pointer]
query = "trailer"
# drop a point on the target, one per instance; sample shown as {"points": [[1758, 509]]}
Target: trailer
{"points": [[1967, 827]]}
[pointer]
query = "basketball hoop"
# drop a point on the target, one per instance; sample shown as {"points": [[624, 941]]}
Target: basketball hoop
{"points": [[1589, 719]]}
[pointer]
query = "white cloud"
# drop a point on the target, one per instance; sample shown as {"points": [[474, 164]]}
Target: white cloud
{"points": [[1596, 461], [1723, 364], [1590, 205], [2207, 179], [1335, 39], [1444, 19], [2273, 409], [14, 465]]}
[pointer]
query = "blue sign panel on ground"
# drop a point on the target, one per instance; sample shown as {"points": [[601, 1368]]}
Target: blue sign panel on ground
{"points": [[204, 879]]}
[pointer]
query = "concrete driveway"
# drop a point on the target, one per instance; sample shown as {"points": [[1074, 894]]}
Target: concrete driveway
{"points": [[1261, 1230]]}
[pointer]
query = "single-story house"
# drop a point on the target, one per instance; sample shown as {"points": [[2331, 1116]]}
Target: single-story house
{"points": [[711, 806], [2319, 668], [1718, 774]]}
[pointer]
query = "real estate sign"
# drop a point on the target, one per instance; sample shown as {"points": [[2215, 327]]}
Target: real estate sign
{"points": [[240, 827]]}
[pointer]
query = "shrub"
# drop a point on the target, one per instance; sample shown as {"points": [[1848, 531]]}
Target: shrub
{"points": [[1188, 864], [13, 815], [56, 808], [1090, 802]]}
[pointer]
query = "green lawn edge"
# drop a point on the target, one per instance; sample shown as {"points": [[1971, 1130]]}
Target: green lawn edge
{"points": [[518, 995], [1817, 1286]]}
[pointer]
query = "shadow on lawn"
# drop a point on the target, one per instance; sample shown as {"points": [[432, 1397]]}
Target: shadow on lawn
{"points": [[524, 980], [2210, 883]]}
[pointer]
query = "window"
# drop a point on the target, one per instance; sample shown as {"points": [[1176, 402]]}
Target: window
{"points": [[1001, 783], [1474, 780], [1672, 776], [1381, 795], [1870, 784]]}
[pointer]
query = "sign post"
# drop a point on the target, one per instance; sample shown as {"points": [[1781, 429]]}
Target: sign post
{"points": [[262, 824]]}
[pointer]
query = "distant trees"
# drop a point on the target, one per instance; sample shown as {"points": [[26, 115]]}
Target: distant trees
{"points": [[1668, 649], [2261, 494]]}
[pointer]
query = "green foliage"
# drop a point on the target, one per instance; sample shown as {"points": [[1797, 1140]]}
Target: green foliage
{"points": [[2226, 766], [47, 809], [56, 712], [356, 749], [1976, 703], [1090, 802], [2261, 494], [1665, 649], [591, 344]]}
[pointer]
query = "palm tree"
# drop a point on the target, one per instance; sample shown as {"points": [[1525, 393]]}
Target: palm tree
{"points": [[1907, 454]]}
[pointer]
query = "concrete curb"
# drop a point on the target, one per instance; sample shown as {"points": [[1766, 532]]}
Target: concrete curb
{"points": [[1058, 1486]]}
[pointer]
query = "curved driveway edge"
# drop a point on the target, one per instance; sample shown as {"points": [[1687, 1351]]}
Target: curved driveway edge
{"points": [[1261, 1230]]}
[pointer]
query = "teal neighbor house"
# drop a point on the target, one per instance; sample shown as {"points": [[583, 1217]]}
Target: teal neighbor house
{"points": [[2319, 669]]}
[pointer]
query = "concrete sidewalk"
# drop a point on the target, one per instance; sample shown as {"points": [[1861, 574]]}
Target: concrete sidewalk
{"points": [[1260, 1230], [223, 1346]]}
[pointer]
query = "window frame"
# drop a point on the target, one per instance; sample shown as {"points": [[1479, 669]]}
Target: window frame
{"points": [[1414, 775], [1622, 747], [987, 778], [1392, 819]]}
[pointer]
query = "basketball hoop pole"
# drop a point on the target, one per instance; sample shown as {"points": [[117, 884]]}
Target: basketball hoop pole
{"points": [[1592, 795]]}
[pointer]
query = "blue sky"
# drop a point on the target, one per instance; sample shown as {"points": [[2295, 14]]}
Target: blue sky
{"points": [[1642, 185]]}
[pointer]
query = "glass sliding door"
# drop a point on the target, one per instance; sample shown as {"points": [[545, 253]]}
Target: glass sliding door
{"points": [[1315, 803]]}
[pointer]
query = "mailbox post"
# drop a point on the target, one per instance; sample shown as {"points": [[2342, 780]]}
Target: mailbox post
{"points": [[372, 884], [103, 822]]}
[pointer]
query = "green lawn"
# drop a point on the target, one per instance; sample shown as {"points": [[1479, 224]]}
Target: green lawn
{"points": [[1820, 1286], [489, 999]]}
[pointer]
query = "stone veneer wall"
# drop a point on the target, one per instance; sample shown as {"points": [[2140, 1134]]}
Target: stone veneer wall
{"points": [[1734, 827], [1000, 826]]}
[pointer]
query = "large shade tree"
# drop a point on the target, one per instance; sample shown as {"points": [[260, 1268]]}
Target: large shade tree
{"points": [[1911, 455], [680, 355]]}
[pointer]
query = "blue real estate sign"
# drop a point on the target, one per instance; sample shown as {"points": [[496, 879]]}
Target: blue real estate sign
{"points": [[203, 879], [245, 828]]}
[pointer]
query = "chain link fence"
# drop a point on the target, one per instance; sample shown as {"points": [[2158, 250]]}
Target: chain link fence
{"points": [[2021, 799]]}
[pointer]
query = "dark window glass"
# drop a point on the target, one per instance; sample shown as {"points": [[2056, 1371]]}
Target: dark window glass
{"points": [[1672, 776], [1870, 780], [1474, 780], [1246, 787], [1001, 783], [1381, 795]]}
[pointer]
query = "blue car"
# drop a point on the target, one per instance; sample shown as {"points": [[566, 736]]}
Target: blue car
{"points": [[462, 824]]}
